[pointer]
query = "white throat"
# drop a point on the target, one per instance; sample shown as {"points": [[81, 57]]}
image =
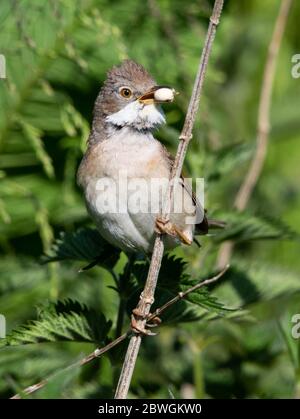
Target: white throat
{"points": [[138, 115]]}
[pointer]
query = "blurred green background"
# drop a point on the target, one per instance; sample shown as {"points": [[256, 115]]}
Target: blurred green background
{"points": [[57, 54]]}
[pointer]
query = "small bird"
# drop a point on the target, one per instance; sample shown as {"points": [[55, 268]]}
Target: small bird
{"points": [[121, 146]]}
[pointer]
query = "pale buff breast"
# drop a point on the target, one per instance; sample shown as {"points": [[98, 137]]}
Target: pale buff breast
{"points": [[139, 156]]}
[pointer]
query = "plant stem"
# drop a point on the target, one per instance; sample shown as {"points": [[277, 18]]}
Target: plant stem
{"points": [[263, 126], [147, 296], [100, 351]]}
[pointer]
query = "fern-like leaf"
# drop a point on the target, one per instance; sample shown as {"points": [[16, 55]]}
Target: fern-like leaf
{"points": [[243, 227], [83, 244], [64, 321], [173, 278]]}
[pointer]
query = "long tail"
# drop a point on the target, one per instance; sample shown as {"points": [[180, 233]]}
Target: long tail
{"points": [[215, 223], [206, 225]]}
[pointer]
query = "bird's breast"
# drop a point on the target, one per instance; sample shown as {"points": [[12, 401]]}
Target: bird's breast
{"points": [[136, 154]]}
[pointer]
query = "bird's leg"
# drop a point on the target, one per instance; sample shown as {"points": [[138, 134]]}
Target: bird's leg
{"points": [[167, 227], [138, 315], [156, 321], [183, 237]]}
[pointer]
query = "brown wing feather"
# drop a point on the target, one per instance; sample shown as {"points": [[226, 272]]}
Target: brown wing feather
{"points": [[202, 227]]}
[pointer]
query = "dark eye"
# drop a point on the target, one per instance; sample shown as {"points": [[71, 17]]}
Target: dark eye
{"points": [[125, 92]]}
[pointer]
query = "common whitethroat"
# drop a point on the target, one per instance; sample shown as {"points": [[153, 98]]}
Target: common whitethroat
{"points": [[125, 170]]}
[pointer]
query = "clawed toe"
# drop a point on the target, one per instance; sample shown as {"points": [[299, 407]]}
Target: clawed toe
{"points": [[183, 237], [167, 227], [164, 227], [135, 326], [156, 321]]}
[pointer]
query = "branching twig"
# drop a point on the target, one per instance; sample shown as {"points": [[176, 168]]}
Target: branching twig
{"points": [[95, 354], [147, 297], [184, 294], [263, 125], [100, 351]]}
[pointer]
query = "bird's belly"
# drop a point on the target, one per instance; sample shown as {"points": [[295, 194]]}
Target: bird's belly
{"points": [[124, 219], [127, 220], [126, 195]]}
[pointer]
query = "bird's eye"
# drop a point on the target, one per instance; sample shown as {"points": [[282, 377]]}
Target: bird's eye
{"points": [[125, 92]]}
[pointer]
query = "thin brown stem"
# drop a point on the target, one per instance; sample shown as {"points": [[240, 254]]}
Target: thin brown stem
{"points": [[263, 125], [100, 351], [147, 297], [184, 294], [95, 354]]}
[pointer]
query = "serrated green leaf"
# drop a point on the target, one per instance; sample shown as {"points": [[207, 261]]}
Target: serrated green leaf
{"points": [[242, 227], [173, 278], [83, 244], [64, 321], [246, 283]]}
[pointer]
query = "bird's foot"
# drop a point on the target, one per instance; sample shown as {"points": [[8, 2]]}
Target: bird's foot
{"points": [[163, 226], [137, 323], [156, 321], [167, 227]]}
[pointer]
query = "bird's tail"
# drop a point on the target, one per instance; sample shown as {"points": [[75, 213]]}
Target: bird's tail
{"points": [[215, 223], [209, 223]]}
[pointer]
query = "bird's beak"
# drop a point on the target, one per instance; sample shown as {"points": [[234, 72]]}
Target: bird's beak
{"points": [[158, 94]]}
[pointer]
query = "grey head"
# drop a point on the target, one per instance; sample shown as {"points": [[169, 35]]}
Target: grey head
{"points": [[126, 100]]}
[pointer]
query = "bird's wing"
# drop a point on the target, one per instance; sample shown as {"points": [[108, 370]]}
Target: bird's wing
{"points": [[202, 226]]}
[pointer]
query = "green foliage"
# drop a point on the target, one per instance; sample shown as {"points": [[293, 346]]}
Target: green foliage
{"points": [[174, 278], [33, 134], [84, 244], [222, 162], [230, 340], [242, 227], [262, 283], [63, 321]]}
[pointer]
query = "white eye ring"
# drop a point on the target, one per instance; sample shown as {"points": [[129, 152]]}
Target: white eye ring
{"points": [[125, 92]]}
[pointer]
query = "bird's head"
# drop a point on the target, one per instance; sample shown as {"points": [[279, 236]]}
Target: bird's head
{"points": [[131, 98]]}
